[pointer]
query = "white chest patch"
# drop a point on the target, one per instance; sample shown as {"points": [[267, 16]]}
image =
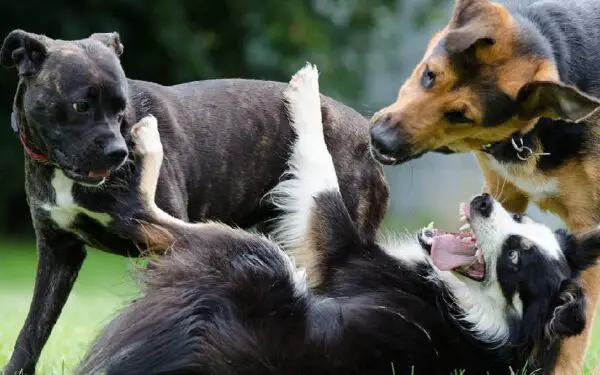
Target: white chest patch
{"points": [[537, 188], [64, 211]]}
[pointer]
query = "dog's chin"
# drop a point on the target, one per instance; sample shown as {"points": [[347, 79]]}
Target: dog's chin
{"points": [[89, 179]]}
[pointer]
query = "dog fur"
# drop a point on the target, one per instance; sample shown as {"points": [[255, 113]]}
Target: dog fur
{"points": [[224, 301], [226, 144], [527, 71]]}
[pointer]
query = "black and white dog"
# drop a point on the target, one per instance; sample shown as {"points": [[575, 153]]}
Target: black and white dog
{"points": [[503, 292]]}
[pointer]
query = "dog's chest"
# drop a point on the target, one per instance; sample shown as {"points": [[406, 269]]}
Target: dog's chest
{"points": [[64, 211], [525, 178]]}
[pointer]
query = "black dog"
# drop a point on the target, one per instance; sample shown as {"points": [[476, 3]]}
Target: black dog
{"points": [[226, 144], [230, 303]]}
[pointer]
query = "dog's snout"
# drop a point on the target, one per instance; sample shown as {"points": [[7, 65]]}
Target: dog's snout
{"points": [[115, 154], [482, 204], [385, 136]]}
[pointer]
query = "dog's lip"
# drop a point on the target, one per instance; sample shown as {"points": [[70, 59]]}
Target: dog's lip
{"points": [[91, 178], [382, 158]]}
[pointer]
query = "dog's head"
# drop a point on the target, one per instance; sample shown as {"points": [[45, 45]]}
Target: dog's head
{"points": [[71, 100], [530, 270], [483, 78]]}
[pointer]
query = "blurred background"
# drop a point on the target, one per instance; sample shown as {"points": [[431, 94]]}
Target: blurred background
{"points": [[364, 50]]}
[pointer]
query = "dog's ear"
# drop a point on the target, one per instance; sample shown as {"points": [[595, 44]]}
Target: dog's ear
{"points": [[111, 40], [568, 314], [460, 40], [468, 27], [25, 50], [554, 100]]}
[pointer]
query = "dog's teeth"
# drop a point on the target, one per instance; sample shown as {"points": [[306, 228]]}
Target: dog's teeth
{"points": [[463, 218], [430, 226], [465, 227]]}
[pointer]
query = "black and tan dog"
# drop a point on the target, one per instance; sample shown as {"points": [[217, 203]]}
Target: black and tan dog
{"points": [[226, 144], [516, 85]]}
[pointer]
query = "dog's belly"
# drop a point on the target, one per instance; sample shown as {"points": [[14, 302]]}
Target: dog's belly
{"points": [[536, 186]]}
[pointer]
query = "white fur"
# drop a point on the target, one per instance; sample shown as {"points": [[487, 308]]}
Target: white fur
{"points": [[310, 168], [404, 248], [64, 211], [493, 231], [483, 302], [535, 190]]}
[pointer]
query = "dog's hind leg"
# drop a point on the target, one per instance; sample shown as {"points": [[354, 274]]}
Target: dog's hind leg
{"points": [[60, 256], [302, 226]]}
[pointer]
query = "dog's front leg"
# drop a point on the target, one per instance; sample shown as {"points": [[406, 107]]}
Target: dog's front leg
{"points": [[60, 256]]}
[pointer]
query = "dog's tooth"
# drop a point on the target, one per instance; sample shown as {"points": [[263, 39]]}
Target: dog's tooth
{"points": [[430, 226], [465, 227], [463, 218]]}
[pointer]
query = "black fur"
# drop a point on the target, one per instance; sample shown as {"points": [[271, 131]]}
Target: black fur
{"points": [[224, 302], [568, 34], [226, 144]]}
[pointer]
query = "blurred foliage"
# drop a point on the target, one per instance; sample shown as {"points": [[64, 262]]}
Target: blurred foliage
{"points": [[171, 41]]}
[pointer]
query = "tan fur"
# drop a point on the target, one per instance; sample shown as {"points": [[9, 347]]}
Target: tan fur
{"points": [[419, 113]]}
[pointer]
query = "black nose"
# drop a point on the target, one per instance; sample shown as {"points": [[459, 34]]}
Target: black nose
{"points": [[385, 137], [115, 154], [482, 204]]}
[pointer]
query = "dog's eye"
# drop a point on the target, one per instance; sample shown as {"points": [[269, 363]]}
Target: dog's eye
{"points": [[81, 107], [518, 218], [428, 78], [457, 117], [514, 256]]}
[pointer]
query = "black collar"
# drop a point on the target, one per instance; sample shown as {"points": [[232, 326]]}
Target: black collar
{"points": [[519, 148]]}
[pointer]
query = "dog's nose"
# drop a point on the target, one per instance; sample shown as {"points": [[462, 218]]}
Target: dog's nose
{"points": [[385, 137], [483, 204], [115, 154]]}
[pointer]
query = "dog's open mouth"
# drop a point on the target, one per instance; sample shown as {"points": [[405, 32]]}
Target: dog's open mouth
{"points": [[455, 251], [91, 178]]}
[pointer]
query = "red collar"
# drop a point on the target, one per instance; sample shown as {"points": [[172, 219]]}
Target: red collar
{"points": [[40, 158]]}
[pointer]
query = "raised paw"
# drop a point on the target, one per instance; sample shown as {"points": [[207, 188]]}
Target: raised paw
{"points": [[145, 136], [304, 101]]}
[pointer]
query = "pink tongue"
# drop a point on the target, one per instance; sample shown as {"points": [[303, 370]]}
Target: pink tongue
{"points": [[449, 252]]}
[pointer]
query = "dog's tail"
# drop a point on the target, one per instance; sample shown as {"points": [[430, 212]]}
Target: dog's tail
{"points": [[315, 226]]}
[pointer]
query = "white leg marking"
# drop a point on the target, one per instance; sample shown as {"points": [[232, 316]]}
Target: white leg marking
{"points": [[311, 171]]}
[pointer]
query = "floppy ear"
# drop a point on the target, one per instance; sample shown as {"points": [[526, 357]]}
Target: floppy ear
{"points": [[581, 251], [554, 100], [111, 40], [568, 315], [25, 50]]}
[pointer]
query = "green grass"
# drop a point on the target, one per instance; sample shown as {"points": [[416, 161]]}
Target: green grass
{"points": [[104, 285]]}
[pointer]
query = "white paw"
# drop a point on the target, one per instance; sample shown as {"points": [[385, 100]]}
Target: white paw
{"points": [[145, 136], [304, 102]]}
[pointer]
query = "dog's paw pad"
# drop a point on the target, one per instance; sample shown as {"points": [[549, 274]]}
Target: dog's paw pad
{"points": [[145, 136]]}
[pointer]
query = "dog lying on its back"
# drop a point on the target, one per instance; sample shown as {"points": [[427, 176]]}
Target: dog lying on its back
{"points": [[224, 301], [226, 144]]}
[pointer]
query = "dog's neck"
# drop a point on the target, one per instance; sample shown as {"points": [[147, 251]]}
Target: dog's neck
{"points": [[554, 142]]}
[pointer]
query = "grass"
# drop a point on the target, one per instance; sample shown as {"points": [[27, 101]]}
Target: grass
{"points": [[105, 284]]}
